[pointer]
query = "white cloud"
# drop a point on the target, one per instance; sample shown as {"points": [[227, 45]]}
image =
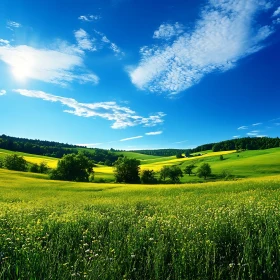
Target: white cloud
{"points": [[131, 138], [90, 145], [83, 40], [261, 136], [89, 18], [2, 92], [112, 46], [4, 42], [12, 24], [167, 31], [60, 66], [121, 117], [154, 133], [236, 136], [276, 12], [255, 124], [277, 124], [226, 32], [242, 127], [180, 142]]}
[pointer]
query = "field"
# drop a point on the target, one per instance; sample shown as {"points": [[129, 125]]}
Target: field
{"points": [[246, 164], [63, 230]]}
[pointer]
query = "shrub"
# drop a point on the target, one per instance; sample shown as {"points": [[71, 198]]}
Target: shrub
{"points": [[15, 162]]}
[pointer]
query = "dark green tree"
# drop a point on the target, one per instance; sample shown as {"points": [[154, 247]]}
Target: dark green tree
{"points": [[148, 177], [34, 167], [73, 167], [43, 167], [204, 171], [221, 157], [15, 162], [175, 173], [127, 170], [164, 172], [179, 155], [189, 168]]}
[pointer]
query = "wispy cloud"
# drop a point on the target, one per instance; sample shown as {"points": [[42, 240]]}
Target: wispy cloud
{"points": [[255, 124], [58, 66], [131, 138], [236, 136], [277, 124], [167, 31], [4, 42], [12, 25], [253, 133], [2, 92], [112, 46], [180, 142], [154, 133], [276, 12], [90, 145], [89, 18], [226, 32], [261, 136], [122, 117], [84, 41], [242, 127]]}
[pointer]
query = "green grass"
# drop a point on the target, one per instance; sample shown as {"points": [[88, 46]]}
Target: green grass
{"points": [[64, 230]]}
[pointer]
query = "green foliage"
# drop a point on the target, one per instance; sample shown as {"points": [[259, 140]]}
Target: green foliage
{"points": [[204, 170], [189, 169], [1, 164], [221, 157], [148, 177], [43, 167], [179, 155], [34, 167], [127, 170], [73, 167], [164, 172], [15, 162], [226, 174], [172, 172]]}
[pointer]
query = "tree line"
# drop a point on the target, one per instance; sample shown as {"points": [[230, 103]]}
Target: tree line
{"points": [[247, 143], [55, 149]]}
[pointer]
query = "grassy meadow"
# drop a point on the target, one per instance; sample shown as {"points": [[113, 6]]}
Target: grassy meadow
{"points": [[67, 230]]}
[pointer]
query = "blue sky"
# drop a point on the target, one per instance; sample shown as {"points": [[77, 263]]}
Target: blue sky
{"points": [[144, 74]]}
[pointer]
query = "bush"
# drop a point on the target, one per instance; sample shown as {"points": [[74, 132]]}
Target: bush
{"points": [[204, 171], [34, 168], [148, 177], [73, 167], [127, 170], [15, 162]]}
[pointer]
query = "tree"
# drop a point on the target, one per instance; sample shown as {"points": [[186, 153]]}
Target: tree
{"points": [[179, 155], [73, 167], [172, 172], [148, 177], [164, 172], [189, 168], [175, 173], [221, 157], [43, 167], [127, 170], [204, 171], [15, 162], [34, 168]]}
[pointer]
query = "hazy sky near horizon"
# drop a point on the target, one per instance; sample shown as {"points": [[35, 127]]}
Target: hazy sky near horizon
{"points": [[131, 74]]}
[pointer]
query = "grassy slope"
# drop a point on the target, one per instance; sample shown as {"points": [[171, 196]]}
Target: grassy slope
{"points": [[60, 230], [51, 162], [243, 164]]}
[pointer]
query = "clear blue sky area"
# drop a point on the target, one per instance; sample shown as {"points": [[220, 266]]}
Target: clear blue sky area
{"points": [[132, 74]]}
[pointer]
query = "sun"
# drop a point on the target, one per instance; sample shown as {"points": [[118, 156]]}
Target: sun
{"points": [[20, 72], [22, 67]]}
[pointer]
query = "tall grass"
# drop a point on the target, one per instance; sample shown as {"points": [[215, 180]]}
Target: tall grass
{"points": [[62, 230]]}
